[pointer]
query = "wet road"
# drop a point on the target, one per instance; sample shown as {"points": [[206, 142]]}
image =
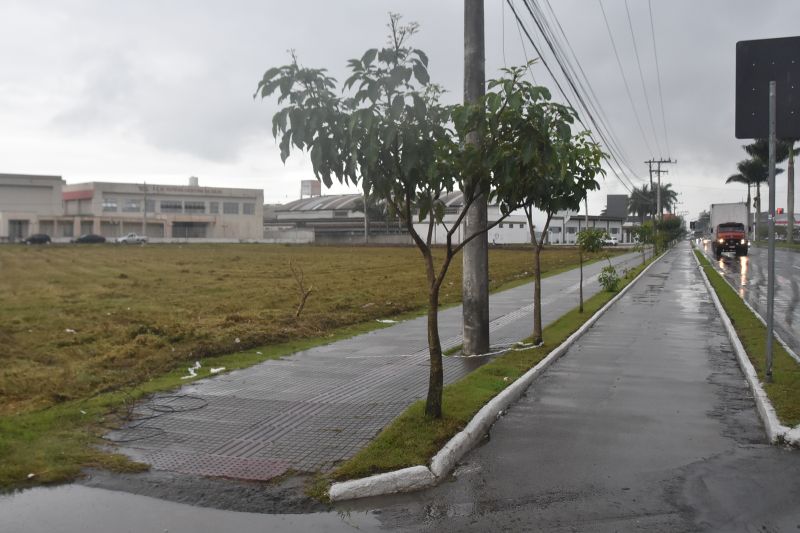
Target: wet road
{"points": [[749, 276]]}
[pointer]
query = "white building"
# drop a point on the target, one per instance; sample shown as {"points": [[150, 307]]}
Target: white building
{"points": [[168, 212], [29, 204]]}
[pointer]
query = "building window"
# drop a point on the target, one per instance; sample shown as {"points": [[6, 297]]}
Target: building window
{"points": [[194, 207], [213, 207], [571, 230], [109, 204], [614, 231], [171, 206], [554, 230], [150, 206], [132, 206], [501, 225], [522, 226], [250, 209], [230, 208]]}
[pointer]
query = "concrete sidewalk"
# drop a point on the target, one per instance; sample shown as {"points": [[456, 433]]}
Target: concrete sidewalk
{"points": [[318, 407], [645, 424]]}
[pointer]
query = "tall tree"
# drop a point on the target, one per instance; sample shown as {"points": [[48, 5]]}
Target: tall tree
{"points": [[669, 198], [759, 152], [640, 202]]}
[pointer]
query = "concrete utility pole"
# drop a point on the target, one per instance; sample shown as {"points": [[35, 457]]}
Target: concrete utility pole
{"points": [[475, 284], [144, 211], [658, 172]]}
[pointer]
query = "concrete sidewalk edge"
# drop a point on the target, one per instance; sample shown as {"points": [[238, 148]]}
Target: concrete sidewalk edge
{"points": [[774, 429], [420, 477]]}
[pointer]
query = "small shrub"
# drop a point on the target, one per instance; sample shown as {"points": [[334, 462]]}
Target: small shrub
{"points": [[609, 279]]}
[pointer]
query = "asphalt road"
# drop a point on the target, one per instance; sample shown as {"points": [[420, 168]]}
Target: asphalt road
{"points": [[749, 276]]}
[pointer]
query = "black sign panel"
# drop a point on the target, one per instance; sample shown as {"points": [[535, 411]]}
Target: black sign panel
{"points": [[757, 63]]}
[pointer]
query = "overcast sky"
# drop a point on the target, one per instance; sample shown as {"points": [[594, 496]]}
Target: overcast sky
{"points": [[158, 91]]}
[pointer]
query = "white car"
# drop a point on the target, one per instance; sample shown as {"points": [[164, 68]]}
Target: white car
{"points": [[610, 241], [131, 238]]}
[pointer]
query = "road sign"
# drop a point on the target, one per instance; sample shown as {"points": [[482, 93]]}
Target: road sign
{"points": [[758, 63]]}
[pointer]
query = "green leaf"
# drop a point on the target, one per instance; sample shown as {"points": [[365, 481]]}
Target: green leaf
{"points": [[421, 73], [422, 56], [369, 56]]}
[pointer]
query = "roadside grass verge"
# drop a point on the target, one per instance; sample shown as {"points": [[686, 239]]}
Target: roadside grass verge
{"points": [[784, 391], [412, 438], [141, 315]]}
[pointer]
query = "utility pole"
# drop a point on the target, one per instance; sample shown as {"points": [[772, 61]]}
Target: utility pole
{"points": [[475, 283], [366, 218], [144, 211], [658, 171]]}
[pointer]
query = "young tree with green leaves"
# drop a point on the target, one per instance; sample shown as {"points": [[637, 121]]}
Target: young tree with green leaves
{"points": [[589, 240], [541, 164], [390, 136]]}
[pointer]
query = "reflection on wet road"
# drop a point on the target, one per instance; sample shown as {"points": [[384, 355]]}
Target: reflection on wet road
{"points": [[749, 276]]}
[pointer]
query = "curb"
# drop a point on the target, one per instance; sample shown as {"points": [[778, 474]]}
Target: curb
{"points": [[775, 431], [420, 477]]}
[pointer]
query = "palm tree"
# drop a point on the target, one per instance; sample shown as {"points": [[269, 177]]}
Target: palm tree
{"points": [[640, 202], [739, 178], [759, 150], [669, 198]]}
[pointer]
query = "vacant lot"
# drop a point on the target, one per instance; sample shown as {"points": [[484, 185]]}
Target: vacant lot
{"points": [[76, 321]]}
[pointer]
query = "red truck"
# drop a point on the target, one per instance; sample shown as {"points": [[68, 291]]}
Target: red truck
{"points": [[729, 224]]}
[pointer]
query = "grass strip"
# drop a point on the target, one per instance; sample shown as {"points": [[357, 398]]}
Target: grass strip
{"points": [[412, 438], [784, 391], [779, 244]]}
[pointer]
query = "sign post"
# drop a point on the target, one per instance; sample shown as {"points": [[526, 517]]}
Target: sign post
{"points": [[768, 106]]}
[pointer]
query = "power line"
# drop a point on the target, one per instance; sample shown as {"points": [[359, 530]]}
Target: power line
{"points": [[658, 73], [641, 76], [587, 86], [624, 78], [566, 71]]}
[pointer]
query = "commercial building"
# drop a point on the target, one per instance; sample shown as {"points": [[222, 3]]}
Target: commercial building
{"points": [[340, 219], [45, 204], [565, 225], [167, 212], [29, 204]]}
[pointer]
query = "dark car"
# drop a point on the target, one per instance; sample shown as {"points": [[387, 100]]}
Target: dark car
{"points": [[38, 238], [90, 238]]}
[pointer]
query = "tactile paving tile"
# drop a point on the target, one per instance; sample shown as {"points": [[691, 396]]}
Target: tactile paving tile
{"points": [[257, 469]]}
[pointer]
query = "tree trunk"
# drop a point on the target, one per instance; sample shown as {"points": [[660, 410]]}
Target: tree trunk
{"points": [[580, 283], [758, 210], [537, 296], [790, 196], [433, 404], [748, 210]]}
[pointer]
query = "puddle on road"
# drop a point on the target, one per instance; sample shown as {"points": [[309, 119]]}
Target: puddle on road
{"points": [[75, 508]]}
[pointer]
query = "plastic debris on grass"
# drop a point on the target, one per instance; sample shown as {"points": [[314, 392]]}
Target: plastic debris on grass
{"points": [[386, 321], [192, 370], [217, 370]]}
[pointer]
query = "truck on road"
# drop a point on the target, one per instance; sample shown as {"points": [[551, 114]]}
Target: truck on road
{"points": [[729, 224]]}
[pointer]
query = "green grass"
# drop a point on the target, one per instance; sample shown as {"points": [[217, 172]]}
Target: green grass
{"points": [[141, 315], [412, 438], [784, 391]]}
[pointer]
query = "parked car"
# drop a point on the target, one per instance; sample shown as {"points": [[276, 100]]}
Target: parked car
{"points": [[131, 238], [610, 241], [90, 238], [38, 238]]}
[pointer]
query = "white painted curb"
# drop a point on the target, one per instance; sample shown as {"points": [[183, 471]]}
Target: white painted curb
{"points": [[419, 477], [774, 429]]}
